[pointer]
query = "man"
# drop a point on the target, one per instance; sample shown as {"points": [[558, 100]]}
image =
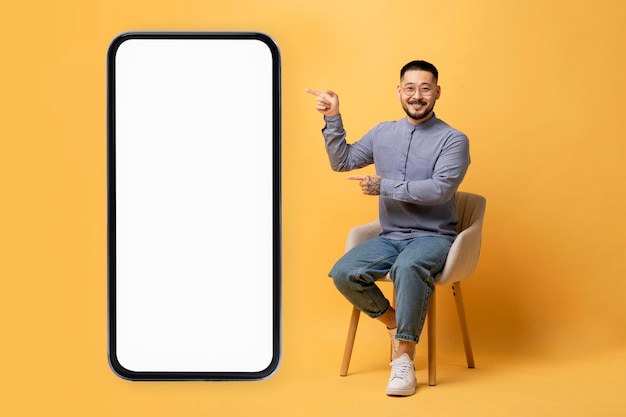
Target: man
{"points": [[420, 162]]}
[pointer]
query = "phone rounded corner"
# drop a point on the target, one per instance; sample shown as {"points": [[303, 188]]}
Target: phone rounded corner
{"points": [[120, 370], [271, 370], [270, 42], [117, 42], [272, 366]]}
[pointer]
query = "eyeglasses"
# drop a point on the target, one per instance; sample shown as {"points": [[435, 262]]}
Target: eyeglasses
{"points": [[424, 90]]}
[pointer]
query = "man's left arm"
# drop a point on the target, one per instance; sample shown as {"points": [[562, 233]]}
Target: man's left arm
{"points": [[448, 173]]}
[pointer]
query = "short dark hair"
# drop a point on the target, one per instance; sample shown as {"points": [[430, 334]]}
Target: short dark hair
{"points": [[420, 66]]}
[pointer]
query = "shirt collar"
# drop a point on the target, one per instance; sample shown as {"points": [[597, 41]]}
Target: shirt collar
{"points": [[424, 125]]}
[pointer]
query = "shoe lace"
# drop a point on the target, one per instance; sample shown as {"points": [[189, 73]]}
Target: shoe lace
{"points": [[401, 369]]}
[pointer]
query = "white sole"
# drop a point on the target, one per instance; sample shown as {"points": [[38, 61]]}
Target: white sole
{"points": [[401, 392]]}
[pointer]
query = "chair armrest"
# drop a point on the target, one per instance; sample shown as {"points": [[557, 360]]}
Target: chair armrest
{"points": [[361, 233], [463, 256]]}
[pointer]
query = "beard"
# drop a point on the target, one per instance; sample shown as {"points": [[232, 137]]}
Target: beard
{"points": [[415, 114]]}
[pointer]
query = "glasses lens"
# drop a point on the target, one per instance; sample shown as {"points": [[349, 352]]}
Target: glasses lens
{"points": [[409, 90], [424, 91]]}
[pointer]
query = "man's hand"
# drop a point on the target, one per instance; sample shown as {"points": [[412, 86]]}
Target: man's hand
{"points": [[370, 184], [327, 102]]}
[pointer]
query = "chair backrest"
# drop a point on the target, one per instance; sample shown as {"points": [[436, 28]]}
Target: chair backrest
{"points": [[464, 253]]}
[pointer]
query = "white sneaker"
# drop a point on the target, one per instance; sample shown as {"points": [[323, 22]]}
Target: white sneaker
{"points": [[402, 381]]}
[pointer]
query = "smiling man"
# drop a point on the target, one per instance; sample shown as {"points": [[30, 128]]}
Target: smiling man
{"points": [[420, 162]]}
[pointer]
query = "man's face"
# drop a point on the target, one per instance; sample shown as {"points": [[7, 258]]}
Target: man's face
{"points": [[418, 91]]}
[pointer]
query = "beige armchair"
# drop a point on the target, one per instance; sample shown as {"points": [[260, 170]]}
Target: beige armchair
{"points": [[460, 265]]}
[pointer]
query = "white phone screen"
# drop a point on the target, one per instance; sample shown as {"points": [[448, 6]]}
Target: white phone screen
{"points": [[194, 205]]}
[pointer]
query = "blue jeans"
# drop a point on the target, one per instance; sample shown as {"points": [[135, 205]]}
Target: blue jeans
{"points": [[412, 264]]}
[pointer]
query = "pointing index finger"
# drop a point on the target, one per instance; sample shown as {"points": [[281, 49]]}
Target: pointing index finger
{"points": [[314, 92], [356, 177]]}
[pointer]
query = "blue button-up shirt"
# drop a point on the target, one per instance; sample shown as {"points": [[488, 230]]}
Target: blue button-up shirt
{"points": [[421, 168]]}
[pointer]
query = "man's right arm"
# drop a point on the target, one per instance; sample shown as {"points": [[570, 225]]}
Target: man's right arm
{"points": [[342, 157]]}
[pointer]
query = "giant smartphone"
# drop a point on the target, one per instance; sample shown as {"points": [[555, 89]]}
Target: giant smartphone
{"points": [[193, 205]]}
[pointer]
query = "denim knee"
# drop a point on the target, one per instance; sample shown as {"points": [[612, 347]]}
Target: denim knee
{"points": [[343, 277], [401, 271], [360, 289], [340, 280]]}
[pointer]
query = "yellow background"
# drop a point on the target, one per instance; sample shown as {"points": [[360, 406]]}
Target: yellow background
{"points": [[537, 85]]}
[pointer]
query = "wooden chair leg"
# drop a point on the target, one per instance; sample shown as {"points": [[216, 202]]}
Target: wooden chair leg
{"points": [[347, 353], [432, 339], [460, 309]]}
